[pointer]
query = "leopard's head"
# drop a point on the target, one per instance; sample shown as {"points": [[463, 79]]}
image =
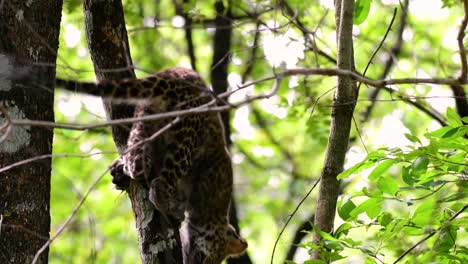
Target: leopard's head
{"points": [[211, 243]]}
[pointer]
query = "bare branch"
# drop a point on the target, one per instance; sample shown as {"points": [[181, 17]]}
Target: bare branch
{"points": [[47, 156], [355, 76]]}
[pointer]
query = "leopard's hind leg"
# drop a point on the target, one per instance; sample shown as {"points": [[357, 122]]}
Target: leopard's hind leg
{"points": [[169, 191]]}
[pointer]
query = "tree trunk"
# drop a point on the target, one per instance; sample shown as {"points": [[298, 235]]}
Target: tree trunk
{"points": [[342, 114], [29, 34], [108, 44]]}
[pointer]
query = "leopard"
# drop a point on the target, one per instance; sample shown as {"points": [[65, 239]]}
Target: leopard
{"points": [[187, 169]]}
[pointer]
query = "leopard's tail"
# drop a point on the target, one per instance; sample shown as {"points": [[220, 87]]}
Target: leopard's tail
{"points": [[126, 88]]}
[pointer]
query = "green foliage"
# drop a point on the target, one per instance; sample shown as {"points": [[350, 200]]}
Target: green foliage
{"points": [[395, 195], [428, 179], [361, 11], [448, 3]]}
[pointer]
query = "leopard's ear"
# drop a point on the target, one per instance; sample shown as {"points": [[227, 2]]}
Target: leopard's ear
{"points": [[235, 245]]}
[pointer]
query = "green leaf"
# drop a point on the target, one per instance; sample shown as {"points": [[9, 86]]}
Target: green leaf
{"points": [[381, 168], [453, 118], [369, 206], [451, 132], [454, 197], [423, 215], [419, 165], [325, 235], [446, 240], [439, 132], [388, 185], [361, 11], [412, 138], [343, 229], [356, 168], [345, 209], [334, 245], [406, 176], [376, 193], [374, 211], [385, 219]]}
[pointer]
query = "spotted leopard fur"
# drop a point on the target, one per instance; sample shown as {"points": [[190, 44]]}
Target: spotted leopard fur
{"points": [[188, 169]]}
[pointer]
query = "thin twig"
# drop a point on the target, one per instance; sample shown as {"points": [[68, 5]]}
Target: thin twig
{"points": [[391, 59], [290, 217], [357, 77], [389, 28]]}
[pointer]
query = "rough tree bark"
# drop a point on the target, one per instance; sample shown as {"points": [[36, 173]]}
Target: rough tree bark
{"points": [[29, 34], [108, 44], [219, 81], [342, 114]]}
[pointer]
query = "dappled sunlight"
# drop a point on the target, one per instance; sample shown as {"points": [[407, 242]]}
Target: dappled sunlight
{"points": [[244, 129], [94, 105], [282, 48], [72, 35], [440, 98], [69, 105], [428, 9], [390, 132], [271, 105]]}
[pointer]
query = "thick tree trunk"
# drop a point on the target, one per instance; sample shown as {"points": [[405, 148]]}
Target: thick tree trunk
{"points": [[28, 34], [342, 114], [108, 43]]}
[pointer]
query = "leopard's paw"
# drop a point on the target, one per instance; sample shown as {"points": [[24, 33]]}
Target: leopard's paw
{"points": [[119, 177]]}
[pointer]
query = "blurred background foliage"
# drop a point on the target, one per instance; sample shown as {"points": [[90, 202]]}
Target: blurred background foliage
{"points": [[278, 143]]}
